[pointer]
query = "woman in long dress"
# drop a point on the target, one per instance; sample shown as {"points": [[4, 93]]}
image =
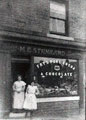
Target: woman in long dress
{"points": [[18, 93], [30, 102]]}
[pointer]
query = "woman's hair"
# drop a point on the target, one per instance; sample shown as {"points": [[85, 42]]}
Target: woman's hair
{"points": [[19, 75]]}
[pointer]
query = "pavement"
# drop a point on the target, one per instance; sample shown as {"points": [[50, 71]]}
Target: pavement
{"points": [[72, 117]]}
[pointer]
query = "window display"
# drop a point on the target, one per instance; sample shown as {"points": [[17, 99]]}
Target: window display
{"points": [[56, 77]]}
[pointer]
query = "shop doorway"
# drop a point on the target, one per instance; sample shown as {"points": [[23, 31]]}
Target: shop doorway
{"points": [[21, 66]]}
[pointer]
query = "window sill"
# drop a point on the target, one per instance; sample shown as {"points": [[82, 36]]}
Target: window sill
{"points": [[55, 99], [60, 37]]}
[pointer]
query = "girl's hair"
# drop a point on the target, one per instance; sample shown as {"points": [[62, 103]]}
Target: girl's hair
{"points": [[32, 82]]}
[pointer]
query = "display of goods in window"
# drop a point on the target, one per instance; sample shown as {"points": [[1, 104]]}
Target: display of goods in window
{"points": [[56, 77]]}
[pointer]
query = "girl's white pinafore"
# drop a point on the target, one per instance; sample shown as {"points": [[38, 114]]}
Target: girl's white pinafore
{"points": [[30, 102]]}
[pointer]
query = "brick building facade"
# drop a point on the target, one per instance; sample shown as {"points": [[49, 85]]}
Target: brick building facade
{"points": [[25, 33]]}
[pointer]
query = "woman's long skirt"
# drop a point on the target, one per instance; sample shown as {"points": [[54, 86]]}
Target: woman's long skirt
{"points": [[30, 102], [18, 100]]}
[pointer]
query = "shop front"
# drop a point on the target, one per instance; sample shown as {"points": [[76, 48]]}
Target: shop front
{"points": [[54, 69], [55, 73]]}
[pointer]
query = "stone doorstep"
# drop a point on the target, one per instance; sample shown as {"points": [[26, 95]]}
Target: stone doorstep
{"points": [[17, 115]]}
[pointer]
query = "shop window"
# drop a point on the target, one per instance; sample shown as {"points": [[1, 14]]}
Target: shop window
{"points": [[56, 77], [58, 17]]}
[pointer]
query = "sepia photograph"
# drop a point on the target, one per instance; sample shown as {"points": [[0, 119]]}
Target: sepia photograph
{"points": [[42, 59]]}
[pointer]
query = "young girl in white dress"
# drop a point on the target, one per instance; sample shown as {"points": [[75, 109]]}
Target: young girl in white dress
{"points": [[18, 94], [30, 102]]}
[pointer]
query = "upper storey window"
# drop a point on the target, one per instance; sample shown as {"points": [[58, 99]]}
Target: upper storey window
{"points": [[58, 17]]}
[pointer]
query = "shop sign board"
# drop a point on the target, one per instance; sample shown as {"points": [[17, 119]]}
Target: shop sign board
{"points": [[35, 50]]}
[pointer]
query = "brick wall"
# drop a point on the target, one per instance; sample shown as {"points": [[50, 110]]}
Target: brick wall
{"points": [[82, 80], [5, 83], [77, 19], [25, 15], [33, 17], [60, 108]]}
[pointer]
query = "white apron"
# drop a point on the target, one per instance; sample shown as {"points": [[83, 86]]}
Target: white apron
{"points": [[30, 102], [18, 96]]}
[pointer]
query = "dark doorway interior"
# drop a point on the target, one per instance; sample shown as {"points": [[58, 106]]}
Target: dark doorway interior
{"points": [[22, 68]]}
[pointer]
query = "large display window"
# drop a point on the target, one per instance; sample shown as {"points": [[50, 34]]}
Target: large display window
{"points": [[56, 76]]}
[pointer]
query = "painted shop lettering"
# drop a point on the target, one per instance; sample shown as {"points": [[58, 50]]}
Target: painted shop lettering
{"points": [[40, 51], [25, 49], [35, 50], [57, 74]]}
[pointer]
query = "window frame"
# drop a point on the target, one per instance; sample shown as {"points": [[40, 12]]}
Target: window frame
{"points": [[66, 23]]}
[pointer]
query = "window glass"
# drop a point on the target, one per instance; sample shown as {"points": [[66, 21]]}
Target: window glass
{"points": [[58, 17], [56, 77], [57, 26], [57, 10], [53, 25]]}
